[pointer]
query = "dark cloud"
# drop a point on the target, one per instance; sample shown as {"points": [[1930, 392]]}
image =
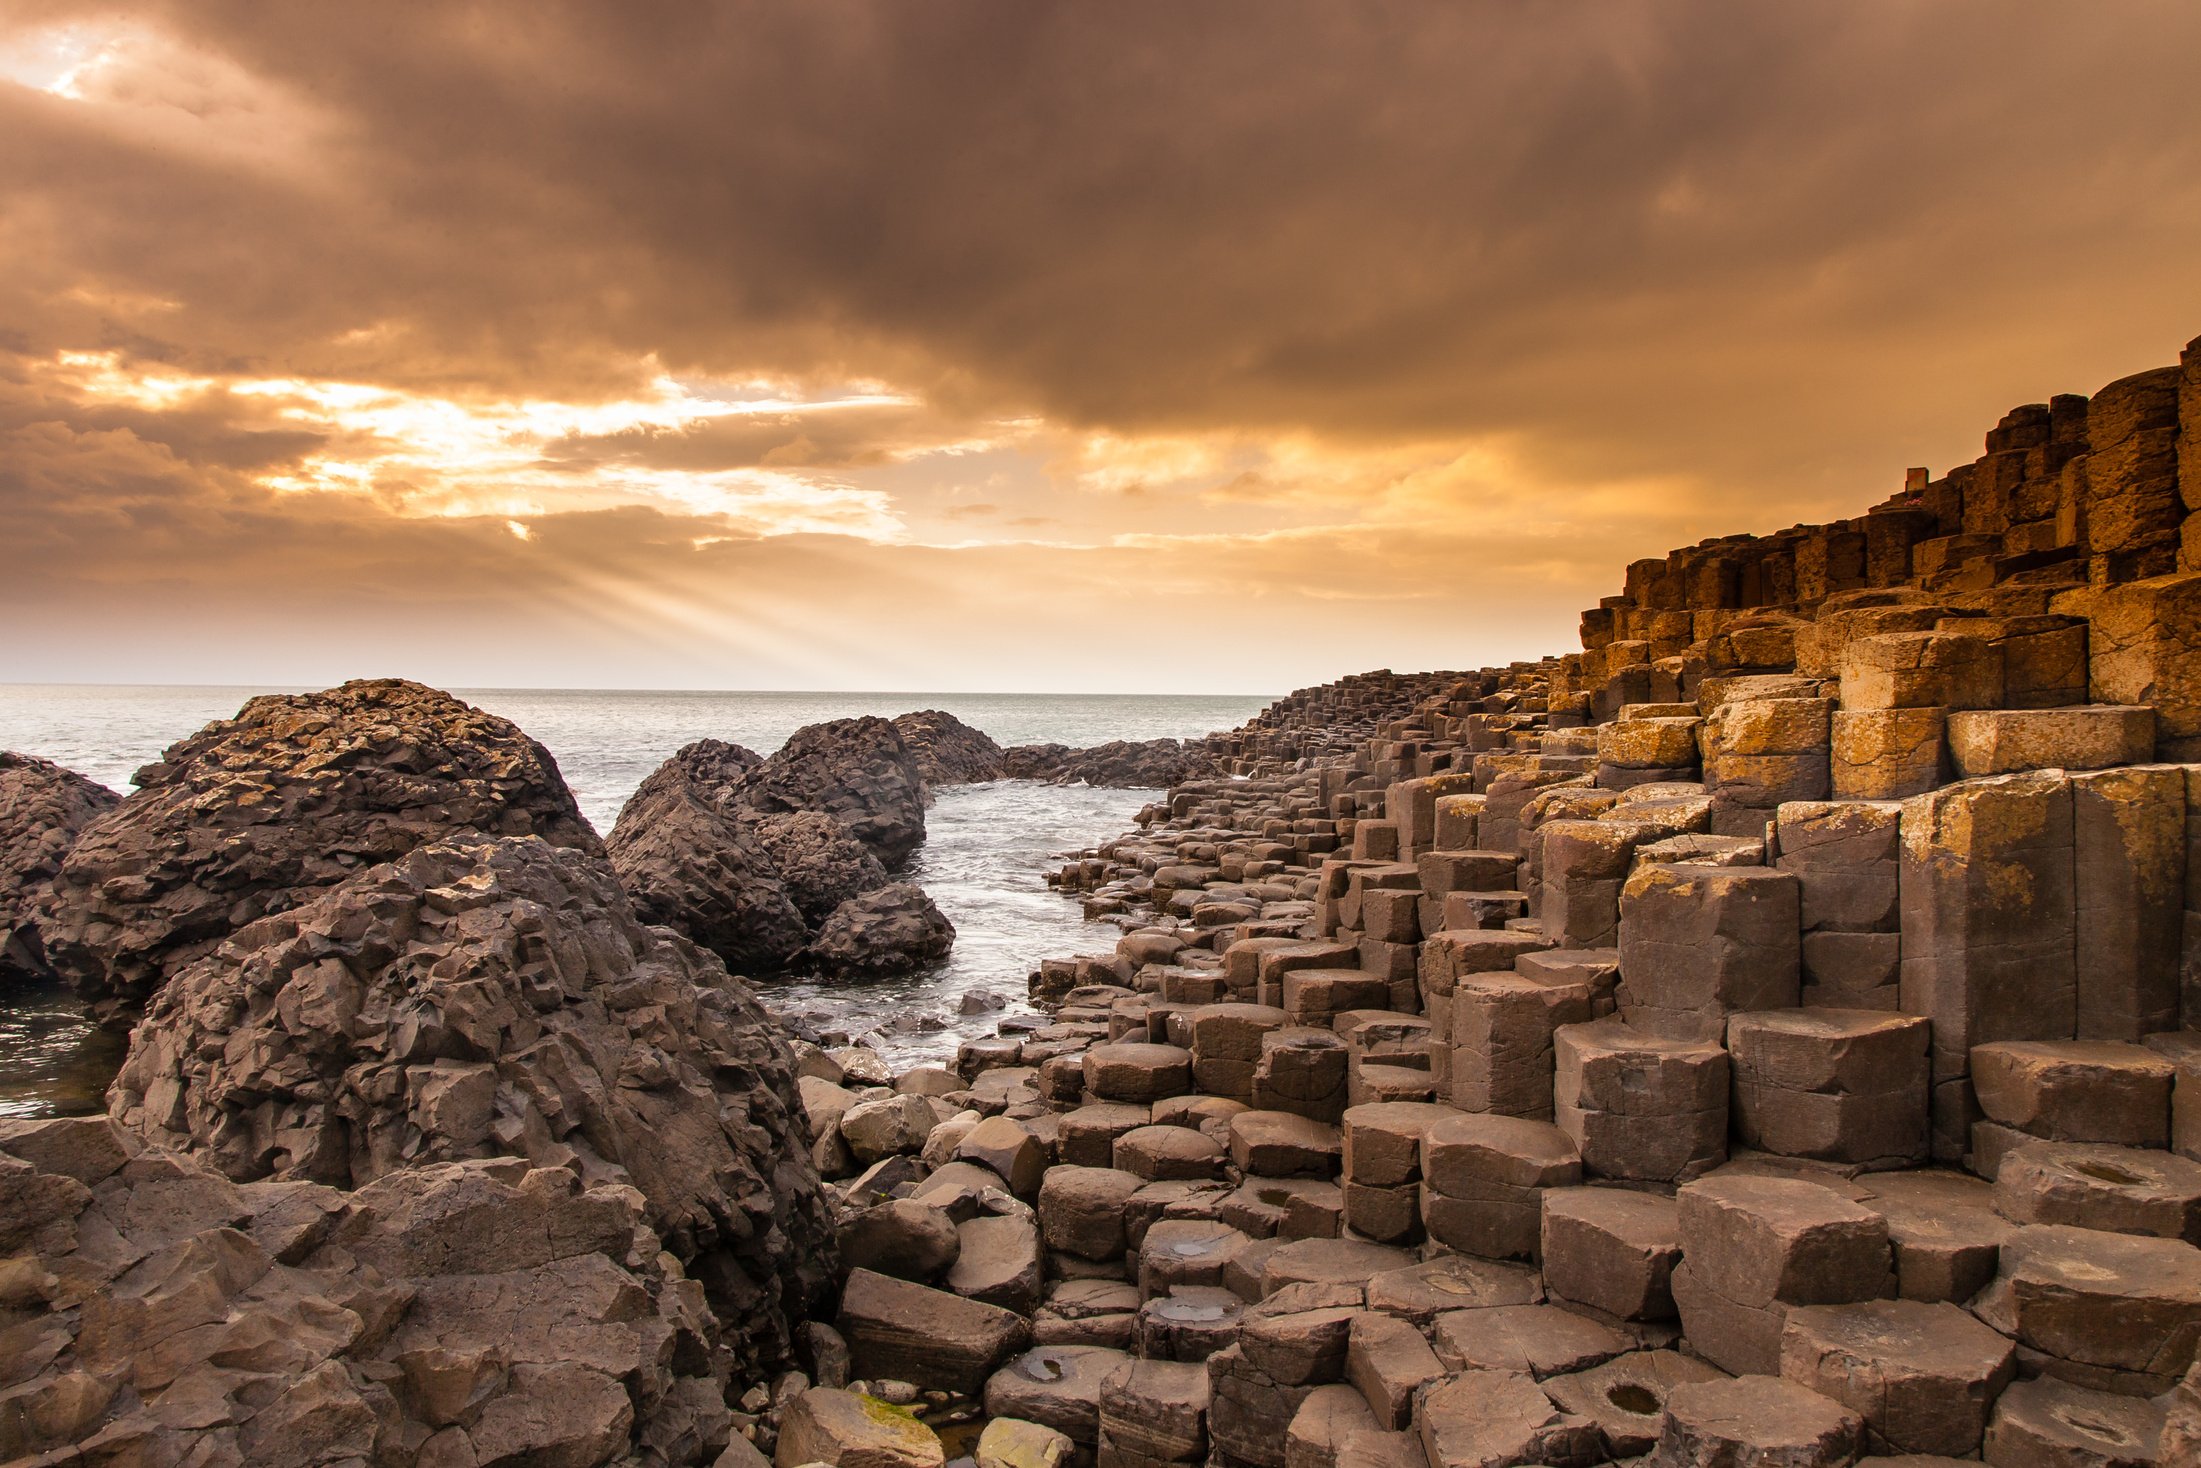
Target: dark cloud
{"points": [[1769, 253]]}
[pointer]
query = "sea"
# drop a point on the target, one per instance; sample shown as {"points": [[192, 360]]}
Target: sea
{"points": [[987, 850]]}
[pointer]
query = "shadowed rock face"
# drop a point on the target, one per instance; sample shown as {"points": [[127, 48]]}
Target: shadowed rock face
{"points": [[821, 863], [857, 771], [480, 998], [43, 808], [882, 932], [468, 1312], [254, 815], [691, 865], [949, 751]]}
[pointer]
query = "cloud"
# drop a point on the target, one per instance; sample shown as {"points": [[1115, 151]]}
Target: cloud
{"points": [[1245, 307]]}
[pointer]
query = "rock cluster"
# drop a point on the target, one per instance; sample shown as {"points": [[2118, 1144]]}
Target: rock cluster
{"points": [[154, 1312], [43, 808], [254, 814], [1120, 764], [477, 999], [707, 845], [949, 751]]}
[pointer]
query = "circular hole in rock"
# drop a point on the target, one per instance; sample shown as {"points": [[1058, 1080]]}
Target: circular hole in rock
{"points": [[1631, 1397]]}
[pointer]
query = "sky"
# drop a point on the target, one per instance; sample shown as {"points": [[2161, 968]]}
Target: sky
{"points": [[1007, 346]]}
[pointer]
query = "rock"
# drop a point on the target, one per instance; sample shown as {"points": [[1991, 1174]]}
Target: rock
{"points": [[949, 751], [840, 1427], [1488, 1419], [471, 1312], [1082, 1210], [931, 1337], [1010, 1442], [1626, 1397], [821, 864], [1009, 1150], [887, 1126], [1155, 1411], [885, 932], [42, 809], [1922, 1377], [1058, 1386], [254, 815], [1753, 1422], [1542, 1340], [2053, 1422], [857, 771], [2108, 1310], [900, 1237], [1612, 1249], [481, 998], [691, 865], [999, 1262], [1121, 764]]}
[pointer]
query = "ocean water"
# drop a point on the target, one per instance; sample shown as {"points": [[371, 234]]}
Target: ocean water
{"points": [[987, 850]]}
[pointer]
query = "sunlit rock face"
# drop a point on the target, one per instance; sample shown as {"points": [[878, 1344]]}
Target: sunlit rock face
{"points": [[43, 808], [256, 814], [486, 998]]}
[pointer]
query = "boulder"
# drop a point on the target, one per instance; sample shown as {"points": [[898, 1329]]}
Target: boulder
{"points": [[824, 1425], [691, 865], [889, 931], [949, 751], [820, 863], [857, 771], [42, 809], [498, 998], [255, 815]]}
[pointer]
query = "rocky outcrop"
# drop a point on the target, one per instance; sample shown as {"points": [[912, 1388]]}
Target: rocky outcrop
{"points": [[690, 864], [487, 998], [857, 771], [256, 814], [484, 1312], [1119, 764], [882, 933], [949, 751], [42, 809], [709, 847]]}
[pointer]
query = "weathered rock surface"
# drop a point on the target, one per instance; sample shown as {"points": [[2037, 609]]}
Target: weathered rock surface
{"points": [[881, 933], [43, 807], [481, 998], [949, 751], [857, 771], [691, 864], [820, 862], [475, 1312], [254, 815]]}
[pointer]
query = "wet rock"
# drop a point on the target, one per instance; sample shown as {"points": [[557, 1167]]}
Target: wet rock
{"points": [[254, 815], [885, 932], [857, 771], [482, 998], [42, 809], [1058, 1386], [949, 751]]}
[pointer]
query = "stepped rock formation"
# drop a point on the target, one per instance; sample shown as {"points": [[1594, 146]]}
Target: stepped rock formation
{"points": [[1771, 1034], [483, 998], [43, 808], [857, 771], [253, 815], [483, 1312], [949, 751]]}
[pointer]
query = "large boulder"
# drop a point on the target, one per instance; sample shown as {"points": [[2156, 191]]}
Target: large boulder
{"points": [[856, 770], [949, 751], [880, 934], [43, 807], [690, 863], [481, 998], [479, 1312], [257, 814]]}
